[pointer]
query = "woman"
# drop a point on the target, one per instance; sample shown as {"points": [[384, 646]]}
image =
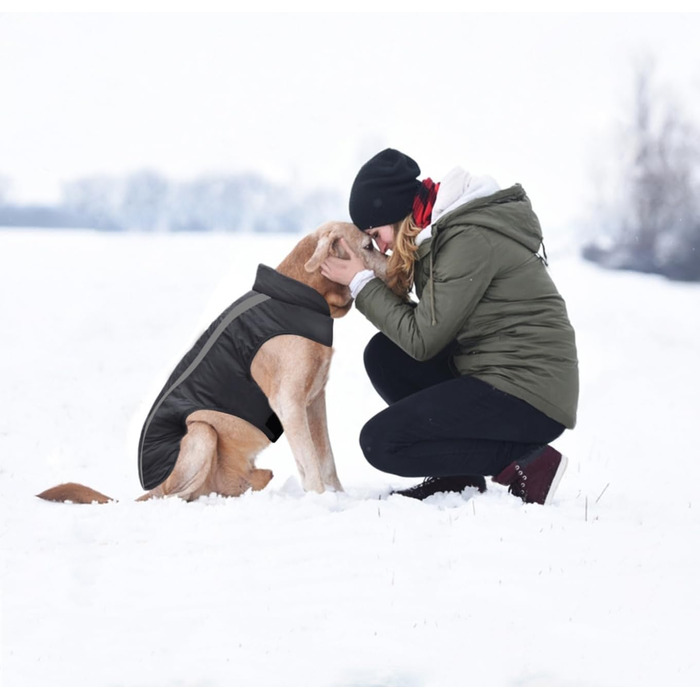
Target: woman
{"points": [[481, 374]]}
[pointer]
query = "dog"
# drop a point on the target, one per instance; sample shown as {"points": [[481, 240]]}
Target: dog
{"points": [[287, 370]]}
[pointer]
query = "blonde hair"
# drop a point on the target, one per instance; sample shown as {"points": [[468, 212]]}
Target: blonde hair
{"points": [[400, 266]]}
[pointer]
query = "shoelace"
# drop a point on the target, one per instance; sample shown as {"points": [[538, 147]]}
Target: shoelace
{"points": [[426, 482]]}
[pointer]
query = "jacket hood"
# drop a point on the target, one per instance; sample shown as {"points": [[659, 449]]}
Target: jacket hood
{"points": [[507, 212]]}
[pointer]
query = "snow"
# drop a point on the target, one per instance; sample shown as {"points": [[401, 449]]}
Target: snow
{"points": [[282, 588]]}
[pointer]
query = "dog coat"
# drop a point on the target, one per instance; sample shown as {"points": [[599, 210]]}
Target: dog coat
{"points": [[215, 373]]}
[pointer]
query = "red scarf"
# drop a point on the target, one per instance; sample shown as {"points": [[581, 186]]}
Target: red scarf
{"points": [[423, 202]]}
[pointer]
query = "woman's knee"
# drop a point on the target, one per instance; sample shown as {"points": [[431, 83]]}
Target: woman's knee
{"points": [[370, 443], [378, 451]]}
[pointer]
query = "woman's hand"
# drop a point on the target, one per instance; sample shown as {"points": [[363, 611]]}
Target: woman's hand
{"points": [[341, 270]]}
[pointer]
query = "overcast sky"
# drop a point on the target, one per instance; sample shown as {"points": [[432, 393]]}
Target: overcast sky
{"points": [[533, 98]]}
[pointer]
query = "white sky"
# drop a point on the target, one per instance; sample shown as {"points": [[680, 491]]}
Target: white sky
{"points": [[532, 98]]}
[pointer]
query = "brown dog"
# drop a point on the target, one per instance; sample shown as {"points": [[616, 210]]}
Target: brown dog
{"points": [[217, 453]]}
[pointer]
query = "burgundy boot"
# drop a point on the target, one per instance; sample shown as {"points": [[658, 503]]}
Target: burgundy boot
{"points": [[535, 477]]}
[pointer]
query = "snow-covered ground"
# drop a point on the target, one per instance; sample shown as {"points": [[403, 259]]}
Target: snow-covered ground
{"points": [[282, 588]]}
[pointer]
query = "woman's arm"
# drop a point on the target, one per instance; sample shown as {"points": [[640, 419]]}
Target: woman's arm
{"points": [[462, 271]]}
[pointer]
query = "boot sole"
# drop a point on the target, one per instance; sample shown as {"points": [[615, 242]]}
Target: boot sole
{"points": [[556, 480]]}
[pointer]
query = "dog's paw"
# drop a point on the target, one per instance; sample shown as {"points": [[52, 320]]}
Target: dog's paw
{"points": [[259, 478]]}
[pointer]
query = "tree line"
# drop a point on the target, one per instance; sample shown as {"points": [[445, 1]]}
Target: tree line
{"points": [[148, 201]]}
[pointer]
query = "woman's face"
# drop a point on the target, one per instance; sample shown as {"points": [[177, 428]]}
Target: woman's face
{"points": [[383, 237]]}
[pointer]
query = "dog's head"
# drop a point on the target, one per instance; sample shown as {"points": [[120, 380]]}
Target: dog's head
{"points": [[327, 243]]}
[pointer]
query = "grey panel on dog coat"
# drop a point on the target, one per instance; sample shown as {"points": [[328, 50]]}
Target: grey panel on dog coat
{"points": [[215, 373]]}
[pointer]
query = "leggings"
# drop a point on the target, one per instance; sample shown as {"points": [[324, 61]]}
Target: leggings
{"points": [[439, 424]]}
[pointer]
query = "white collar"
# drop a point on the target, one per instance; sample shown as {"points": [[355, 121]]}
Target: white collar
{"points": [[457, 188]]}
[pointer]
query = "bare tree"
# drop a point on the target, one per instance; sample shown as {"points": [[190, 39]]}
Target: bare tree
{"points": [[657, 218]]}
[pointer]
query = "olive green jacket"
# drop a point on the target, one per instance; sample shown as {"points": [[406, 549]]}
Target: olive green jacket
{"points": [[480, 281]]}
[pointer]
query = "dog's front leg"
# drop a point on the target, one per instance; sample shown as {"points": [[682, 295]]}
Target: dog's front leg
{"points": [[294, 419], [318, 425]]}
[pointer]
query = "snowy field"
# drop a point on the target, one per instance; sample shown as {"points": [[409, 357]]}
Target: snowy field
{"points": [[279, 588]]}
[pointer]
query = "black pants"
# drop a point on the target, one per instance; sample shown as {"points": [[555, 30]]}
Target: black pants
{"points": [[439, 424]]}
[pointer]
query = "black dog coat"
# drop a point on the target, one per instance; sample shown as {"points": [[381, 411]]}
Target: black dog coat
{"points": [[215, 373]]}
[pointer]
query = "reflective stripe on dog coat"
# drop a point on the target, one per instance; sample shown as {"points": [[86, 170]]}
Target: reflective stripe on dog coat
{"points": [[215, 373]]}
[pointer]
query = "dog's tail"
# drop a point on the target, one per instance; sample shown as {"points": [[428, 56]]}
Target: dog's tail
{"points": [[75, 493]]}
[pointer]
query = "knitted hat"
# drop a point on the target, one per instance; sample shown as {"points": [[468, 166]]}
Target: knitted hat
{"points": [[384, 189]]}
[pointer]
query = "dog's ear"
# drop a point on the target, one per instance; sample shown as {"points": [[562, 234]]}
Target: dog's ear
{"points": [[327, 236]]}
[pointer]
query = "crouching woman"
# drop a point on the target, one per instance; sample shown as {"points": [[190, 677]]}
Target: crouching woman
{"points": [[481, 374]]}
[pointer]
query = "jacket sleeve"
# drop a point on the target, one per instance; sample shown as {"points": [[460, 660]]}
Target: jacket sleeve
{"points": [[462, 271]]}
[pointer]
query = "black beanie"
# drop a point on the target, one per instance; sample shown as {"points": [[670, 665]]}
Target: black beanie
{"points": [[384, 189]]}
